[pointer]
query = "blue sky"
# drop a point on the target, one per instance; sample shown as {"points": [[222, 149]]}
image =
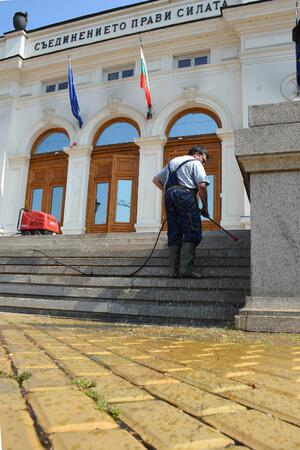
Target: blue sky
{"points": [[45, 12]]}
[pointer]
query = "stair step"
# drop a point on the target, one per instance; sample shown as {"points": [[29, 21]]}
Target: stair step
{"points": [[33, 282], [120, 270], [204, 311], [125, 293], [126, 282]]}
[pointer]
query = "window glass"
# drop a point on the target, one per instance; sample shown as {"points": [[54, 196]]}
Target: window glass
{"points": [[37, 198], [56, 202], [210, 197], [127, 73], [102, 190], [113, 76], [184, 63], [123, 201], [201, 60], [50, 88], [63, 85], [193, 124], [118, 133], [53, 142]]}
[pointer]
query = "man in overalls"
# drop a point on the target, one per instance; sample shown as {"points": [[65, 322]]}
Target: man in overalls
{"points": [[181, 179]]}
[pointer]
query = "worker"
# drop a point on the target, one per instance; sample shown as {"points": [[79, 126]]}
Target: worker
{"points": [[181, 180]]}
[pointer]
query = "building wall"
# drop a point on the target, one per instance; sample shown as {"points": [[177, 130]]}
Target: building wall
{"points": [[247, 66]]}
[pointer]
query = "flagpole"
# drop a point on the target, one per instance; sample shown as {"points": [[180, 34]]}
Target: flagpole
{"points": [[296, 39]]}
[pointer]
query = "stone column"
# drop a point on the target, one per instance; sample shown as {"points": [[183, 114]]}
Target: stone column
{"points": [[15, 190], [149, 197], [232, 183], [77, 189], [269, 155]]}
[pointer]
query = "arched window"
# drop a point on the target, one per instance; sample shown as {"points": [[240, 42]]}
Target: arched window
{"points": [[52, 141], [193, 123], [120, 132]]}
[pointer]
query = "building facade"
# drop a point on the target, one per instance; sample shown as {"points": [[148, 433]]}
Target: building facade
{"points": [[207, 62]]}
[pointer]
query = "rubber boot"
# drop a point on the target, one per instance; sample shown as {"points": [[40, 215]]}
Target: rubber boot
{"points": [[174, 256], [187, 257]]}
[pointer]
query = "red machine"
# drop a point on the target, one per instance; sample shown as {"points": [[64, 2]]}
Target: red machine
{"points": [[36, 222]]}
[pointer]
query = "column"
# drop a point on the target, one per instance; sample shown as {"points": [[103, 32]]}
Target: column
{"points": [[232, 183], [149, 197], [14, 191], [77, 189]]}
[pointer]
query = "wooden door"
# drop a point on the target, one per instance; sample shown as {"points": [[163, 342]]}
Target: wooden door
{"points": [[112, 197], [178, 147], [46, 186]]}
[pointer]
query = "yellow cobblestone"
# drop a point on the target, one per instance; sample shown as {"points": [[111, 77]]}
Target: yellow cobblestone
{"points": [[83, 367], [17, 431], [96, 440], [284, 406], [164, 365], [271, 382], [257, 430], [167, 428], [114, 389], [142, 376], [193, 400], [111, 360], [210, 381], [30, 360], [46, 379], [68, 410]]}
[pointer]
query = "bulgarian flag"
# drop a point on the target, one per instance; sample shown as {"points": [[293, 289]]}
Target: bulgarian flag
{"points": [[144, 83]]}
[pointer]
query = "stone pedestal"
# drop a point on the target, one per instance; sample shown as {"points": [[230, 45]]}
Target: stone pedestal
{"points": [[150, 198], [77, 189], [269, 156]]}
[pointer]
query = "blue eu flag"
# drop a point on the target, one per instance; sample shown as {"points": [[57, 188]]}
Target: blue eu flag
{"points": [[73, 97]]}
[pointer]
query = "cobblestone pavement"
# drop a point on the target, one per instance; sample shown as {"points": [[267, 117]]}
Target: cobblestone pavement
{"points": [[80, 385]]}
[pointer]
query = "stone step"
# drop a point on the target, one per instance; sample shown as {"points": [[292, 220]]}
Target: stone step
{"points": [[147, 311], [90, 241], [152, 293], [125, 261], [126, 252], [126, 282], [120, 270]]}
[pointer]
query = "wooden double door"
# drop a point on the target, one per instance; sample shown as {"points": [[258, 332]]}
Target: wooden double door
{"points": [[178, 147], [46, 186], [113, 185]]}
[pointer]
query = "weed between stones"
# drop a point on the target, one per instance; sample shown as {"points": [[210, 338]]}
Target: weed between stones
{"points": [[20, 378], [86, 386]]}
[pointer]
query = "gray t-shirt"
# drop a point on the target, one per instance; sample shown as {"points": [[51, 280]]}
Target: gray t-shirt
{"points": [[189, 175]]}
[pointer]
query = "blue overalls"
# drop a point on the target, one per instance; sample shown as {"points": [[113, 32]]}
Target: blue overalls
{"points": [[182, 210]]}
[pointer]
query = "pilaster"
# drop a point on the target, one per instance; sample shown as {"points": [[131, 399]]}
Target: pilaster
{"points": [[232, 184], [150, 198], [77, 189], [15, 190]]}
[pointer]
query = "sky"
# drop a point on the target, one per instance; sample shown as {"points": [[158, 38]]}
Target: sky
{"points": [[46, 12]]}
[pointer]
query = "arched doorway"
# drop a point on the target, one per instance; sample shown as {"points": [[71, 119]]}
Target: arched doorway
{"points": [[193, 127], [47, 175], [113, 183]]}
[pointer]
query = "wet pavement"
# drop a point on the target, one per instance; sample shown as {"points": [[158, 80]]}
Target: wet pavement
{"points": [[81, 385]]}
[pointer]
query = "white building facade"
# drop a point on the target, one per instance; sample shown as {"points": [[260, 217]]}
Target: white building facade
{"points": [[207, 62]]}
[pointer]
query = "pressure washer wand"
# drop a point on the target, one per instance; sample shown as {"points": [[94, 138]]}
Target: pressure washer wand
{"points": [[218, 225]]}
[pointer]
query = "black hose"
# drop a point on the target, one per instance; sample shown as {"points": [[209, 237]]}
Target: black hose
{"points": [[140, 268]]}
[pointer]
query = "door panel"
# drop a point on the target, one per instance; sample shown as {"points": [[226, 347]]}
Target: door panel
{"points": [[46, 185], [112, 193], [178, 147]]}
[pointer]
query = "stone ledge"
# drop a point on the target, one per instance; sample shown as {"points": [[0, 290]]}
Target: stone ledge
{"points": [[268, 139], [278, 113]]}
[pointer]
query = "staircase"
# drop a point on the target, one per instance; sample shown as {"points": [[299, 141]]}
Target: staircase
{"points": [[33, 283]]}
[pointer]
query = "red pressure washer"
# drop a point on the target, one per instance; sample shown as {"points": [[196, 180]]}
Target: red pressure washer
{"points": [[37, 222]]}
